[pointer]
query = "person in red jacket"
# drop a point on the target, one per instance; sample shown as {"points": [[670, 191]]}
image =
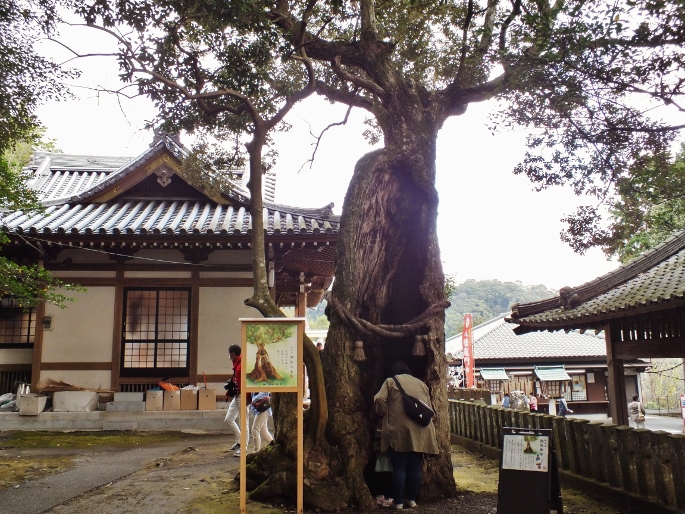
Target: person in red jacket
{"points": [[234, 407]]}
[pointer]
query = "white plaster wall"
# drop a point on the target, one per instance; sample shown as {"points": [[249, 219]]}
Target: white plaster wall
{"points": [[87, 379], [82, 332], [75, 275], [157, 274], [84, 255], [16, 356], [220, 309], [231, 256], [162, 254]]}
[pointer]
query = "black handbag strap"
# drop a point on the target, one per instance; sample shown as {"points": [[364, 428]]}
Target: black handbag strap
{"points": [[398, 385]]}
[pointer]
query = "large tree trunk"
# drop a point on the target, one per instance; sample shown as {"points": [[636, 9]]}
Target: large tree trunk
{"points": [[388, 272]]}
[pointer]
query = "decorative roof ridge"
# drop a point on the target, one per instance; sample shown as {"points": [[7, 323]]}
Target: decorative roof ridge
{"points": [[570, 298], [321, 212], [35, 164], [166, 142]]}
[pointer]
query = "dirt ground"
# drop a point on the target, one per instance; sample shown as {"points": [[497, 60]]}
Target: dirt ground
{"points": [[200, 478]]}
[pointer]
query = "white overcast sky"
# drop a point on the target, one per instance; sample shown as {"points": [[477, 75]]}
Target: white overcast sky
{"points": [[491, 225]]}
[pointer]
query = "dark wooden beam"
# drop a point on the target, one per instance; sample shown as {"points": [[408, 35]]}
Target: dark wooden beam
{"points": [[655, 348], [617, 383]]}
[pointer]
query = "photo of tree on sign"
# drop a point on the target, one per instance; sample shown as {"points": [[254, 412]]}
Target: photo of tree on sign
{"points": [[279, 370]]}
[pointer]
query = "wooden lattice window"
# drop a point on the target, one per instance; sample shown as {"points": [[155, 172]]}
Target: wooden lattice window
{"points": [[17, 325], [155, 335]]}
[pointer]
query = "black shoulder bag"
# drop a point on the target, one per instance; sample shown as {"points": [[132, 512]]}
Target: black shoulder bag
{"points": [[415, 408]]}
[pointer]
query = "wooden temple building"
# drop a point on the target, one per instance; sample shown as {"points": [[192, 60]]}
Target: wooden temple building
{"points": [[640, 307], [167, 267]]}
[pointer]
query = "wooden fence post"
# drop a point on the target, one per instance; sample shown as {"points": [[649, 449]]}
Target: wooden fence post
{"points": [[676, 444], [648, 453], [664, 470]]}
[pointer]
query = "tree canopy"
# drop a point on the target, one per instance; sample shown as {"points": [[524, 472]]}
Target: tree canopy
{"points": [[649, 206], [26, 80], [582, 76]]}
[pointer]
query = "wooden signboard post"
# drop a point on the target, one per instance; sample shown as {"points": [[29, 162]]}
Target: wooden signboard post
{"points": [[272, 360], [528, 475]]}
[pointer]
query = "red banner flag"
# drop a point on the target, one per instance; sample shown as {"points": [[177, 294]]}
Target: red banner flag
{"points": [[467, 347]]}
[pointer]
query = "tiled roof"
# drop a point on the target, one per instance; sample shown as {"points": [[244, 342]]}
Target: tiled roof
{"points": [[65, 184], [63, 179], [152, 218], [656, 277], [494, 374], [551, 373], [500, 342]]}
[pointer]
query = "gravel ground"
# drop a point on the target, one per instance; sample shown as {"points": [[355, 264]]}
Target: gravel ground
{"points": [[198, 477]]}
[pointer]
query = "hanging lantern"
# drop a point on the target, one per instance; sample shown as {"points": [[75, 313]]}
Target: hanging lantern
{"points": [[358, 354], [419, 348]]}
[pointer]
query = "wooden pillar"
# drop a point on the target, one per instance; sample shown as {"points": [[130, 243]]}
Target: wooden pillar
{"points": [[194, 341], [617, 383], [37, 358], [301, 307], [118, 326]]}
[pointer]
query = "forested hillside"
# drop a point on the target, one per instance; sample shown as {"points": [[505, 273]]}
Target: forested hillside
{"points": [[486, 299]]}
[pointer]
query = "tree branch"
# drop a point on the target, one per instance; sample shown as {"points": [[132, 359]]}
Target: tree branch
{"points": [[344, 97], [516, 10], [360, 82]]}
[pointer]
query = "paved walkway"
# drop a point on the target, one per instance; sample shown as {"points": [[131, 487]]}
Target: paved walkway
{"points": [[652, 421], [40, 495]]}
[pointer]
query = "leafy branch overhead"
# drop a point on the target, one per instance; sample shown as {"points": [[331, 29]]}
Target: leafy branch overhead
{"points": [[26, 80]]}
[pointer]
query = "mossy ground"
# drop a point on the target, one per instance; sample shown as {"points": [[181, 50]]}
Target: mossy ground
{"points": [[26, 456], [201, 479]]}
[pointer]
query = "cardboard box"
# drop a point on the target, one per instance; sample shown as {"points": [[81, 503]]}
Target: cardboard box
{"points": [[188, 399], [172, 400], [154, 400], [206, 399]]}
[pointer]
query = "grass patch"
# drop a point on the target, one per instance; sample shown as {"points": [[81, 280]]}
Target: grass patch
{"points": [[225, 499], [474, 473], [84, 439], [15, 470]]}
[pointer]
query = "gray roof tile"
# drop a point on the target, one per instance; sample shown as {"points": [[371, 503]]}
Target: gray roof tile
{"points": [[660, 283], [500, 342], [65, 183]]}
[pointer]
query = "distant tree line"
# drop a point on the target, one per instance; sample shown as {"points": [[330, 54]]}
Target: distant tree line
{"points": [[486, 299]]}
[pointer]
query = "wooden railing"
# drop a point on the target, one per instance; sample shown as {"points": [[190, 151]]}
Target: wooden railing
{"points": [[647, 464]]}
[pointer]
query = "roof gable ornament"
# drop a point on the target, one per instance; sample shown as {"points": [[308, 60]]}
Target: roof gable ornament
{"points": [[164, 175]]}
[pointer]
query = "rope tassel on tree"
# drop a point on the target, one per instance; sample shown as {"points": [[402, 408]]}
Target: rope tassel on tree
{"points": [[368, 328]]}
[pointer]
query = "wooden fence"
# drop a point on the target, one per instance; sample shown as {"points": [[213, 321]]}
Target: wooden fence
{"points": [[469, 394], [647, 464]]}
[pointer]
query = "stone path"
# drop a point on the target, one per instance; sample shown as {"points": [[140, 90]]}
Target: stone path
{"points": [[40, 495]]}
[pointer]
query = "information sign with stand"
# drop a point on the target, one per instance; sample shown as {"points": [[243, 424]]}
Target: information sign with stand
{"points": [[528, 475], [272, 360]]}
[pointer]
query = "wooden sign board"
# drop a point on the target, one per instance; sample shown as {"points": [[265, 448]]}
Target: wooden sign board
{"points": [[272, 360], [528, 475]]}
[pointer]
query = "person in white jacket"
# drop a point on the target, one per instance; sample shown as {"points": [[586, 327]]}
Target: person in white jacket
{"points": [[260, 429]]}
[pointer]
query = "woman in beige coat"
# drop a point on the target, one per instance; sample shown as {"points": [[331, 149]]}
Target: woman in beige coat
{"points": [[406, 439]]}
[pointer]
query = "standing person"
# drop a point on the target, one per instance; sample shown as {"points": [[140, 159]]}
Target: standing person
{"points": [[506, 401], [636, 411], [260, 429], [234, 407], [563, 408], [533, 403], [406, 439]]}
